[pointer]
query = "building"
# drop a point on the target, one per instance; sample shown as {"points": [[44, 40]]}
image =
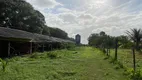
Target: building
{"points": [[18, 42], [78, 39]]}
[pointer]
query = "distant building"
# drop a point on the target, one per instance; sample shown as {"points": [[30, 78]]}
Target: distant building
{"points": [[77, 39]]}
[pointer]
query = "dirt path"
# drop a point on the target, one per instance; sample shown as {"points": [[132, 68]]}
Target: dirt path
{"points": [[94, 67]]}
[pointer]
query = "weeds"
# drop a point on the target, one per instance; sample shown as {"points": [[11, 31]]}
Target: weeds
{"points": [[130, 73], [137, 75], [52, 55], [34, 55], [67, 73], [3, 64]]}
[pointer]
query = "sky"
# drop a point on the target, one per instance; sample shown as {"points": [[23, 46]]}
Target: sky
{"points": [[85, 17]]}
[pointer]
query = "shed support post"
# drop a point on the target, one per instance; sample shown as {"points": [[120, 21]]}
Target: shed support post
{"points": [[8, 49], [31, 48], [43, 48]]}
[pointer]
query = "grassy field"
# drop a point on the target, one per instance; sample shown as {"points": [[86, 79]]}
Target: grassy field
{"points": [[84, 63], [126, 58]]}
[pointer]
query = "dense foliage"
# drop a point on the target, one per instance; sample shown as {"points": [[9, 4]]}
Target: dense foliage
{"points": [[19, 14], [103, 40], [136, 36]]}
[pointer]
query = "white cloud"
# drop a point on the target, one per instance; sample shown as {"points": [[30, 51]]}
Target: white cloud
{"points": [[44, 4], [68, 17], [62, 9], [87, 16]]}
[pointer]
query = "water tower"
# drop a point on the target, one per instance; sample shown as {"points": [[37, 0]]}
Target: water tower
{"points": [[77, 39]]}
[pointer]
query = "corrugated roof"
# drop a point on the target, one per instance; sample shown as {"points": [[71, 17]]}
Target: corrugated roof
{"points": [[33, 37]]}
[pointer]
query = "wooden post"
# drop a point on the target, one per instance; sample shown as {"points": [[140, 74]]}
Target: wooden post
{"points": [[134, 60], [43, 48], [116, 46], [30, 47], [8, 49], [107, 51]]}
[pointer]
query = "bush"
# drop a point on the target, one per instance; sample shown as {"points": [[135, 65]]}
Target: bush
{"points": [[4, 64], [105, 58], [52, 55], [34, 55], [69, 46], [135, 76]]}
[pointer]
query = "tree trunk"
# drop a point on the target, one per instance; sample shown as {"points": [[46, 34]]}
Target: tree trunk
{"points": [[137, 46]]}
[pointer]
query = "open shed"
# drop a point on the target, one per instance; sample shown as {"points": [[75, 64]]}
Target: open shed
{"points": [[17, 42]]}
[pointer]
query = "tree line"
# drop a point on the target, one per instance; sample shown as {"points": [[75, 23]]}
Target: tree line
{"points": [[19, 14], [132, 41], [133, 38]]}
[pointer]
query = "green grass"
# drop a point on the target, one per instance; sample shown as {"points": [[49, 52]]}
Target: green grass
{"points": [[82, 63], [126, 58]]}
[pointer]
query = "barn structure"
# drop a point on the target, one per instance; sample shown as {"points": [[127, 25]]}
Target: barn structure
{"points": [[18, 42]]}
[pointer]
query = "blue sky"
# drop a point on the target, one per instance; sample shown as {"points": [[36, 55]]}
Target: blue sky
{"points": [[91, 16]]}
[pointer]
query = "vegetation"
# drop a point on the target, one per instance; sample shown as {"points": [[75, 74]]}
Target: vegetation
{"points": [[136, 36], [102, 40], [125, 58], [132, 41], [19, 14], [3, 64], [82, 63]]}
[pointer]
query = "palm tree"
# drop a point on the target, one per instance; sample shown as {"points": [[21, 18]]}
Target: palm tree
{"points": [[136, 36]]}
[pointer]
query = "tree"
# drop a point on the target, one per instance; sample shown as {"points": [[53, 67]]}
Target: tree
{"points": [[136, 36], [124, 42], [71, 39], [93, 39], [55, 32], [116, 46], [102, 33], [46, 30], [19, 14], [101, 40]]}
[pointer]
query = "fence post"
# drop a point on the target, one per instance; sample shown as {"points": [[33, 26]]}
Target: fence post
{"points": [[134, 60], [116, 46]]}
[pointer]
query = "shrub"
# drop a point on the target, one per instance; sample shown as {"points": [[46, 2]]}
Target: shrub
{"points": [[105, 58], [70, 46], [4, 64], [67, 73], [135, 76], [52, 55], [34, 55], [116, 67]]}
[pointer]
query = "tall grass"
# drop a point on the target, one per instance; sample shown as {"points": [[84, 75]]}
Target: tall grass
{"points": [[3, 64]]}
